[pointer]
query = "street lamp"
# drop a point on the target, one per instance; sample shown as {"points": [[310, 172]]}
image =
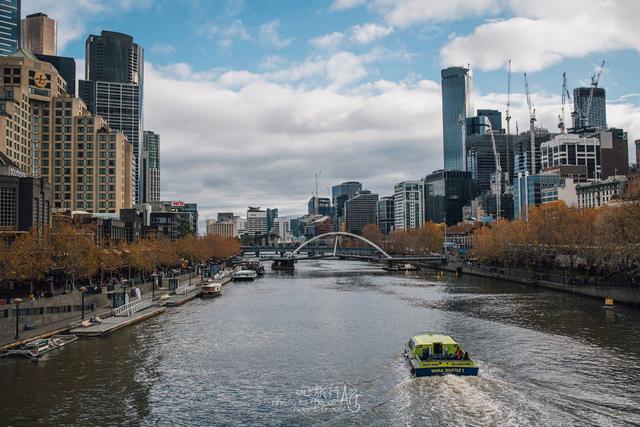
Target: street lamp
{"points": [[17, 302], [154, 284], [82, 291], [123, 285]]}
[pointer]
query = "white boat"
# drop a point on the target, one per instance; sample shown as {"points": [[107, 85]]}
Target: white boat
{"points": [[211, 290], [36, 348], [245, 275]]}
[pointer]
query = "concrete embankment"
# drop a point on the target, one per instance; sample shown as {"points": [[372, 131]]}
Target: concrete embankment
{"points": [[620, 294]]}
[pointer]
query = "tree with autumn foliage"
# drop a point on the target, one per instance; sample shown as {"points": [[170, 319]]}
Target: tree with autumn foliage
{"points": [[29, 258], [424, 240], [73, 251], [372, 232]]}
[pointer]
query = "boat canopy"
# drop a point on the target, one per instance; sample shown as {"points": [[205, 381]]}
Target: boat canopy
{"points": [[428, 339]]}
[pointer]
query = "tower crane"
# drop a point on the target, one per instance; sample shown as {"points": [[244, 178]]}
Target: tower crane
{"points": [[532, 125], [561, 124], [508, 119], [499, 175], [594, 84]]}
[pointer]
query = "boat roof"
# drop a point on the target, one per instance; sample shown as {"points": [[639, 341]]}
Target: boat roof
{"points": [[425, 339]]}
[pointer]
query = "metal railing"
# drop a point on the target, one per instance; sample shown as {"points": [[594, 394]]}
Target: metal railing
{"points": [[132, 307], [185, 289]]}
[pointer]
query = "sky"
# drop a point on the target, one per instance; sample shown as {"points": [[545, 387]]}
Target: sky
{"points": [[252, 98]]}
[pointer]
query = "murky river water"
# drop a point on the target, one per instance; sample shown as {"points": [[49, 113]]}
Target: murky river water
{"points": [[324, 346]]}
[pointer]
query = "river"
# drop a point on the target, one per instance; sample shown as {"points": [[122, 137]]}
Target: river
{"points": [[324, 346]]}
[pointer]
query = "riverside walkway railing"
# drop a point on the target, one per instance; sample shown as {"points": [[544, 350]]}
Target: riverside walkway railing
{"points": [[132, 307], [185, 289]]}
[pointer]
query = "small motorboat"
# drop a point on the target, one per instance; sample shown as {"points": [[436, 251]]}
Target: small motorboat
{"points": [[245, 275], [433, 354], [211, 290], [37, 348]]}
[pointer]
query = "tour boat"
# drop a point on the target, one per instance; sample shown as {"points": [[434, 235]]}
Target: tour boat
{"points": [[255, 265], [211, 290], [245, 275], [36, 348], [433, 354]]}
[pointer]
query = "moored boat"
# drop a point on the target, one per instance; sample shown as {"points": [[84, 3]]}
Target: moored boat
{"points": [[211, 290], [255, 265], [37, 348], [245, 275], [433, 354]]}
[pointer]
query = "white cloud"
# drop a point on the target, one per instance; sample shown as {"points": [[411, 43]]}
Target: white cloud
{"points": [[545, 32], [328, 41], [367, 33], [270, 35], [163, 49], [228, 35], [72, 17], [346, 4]]}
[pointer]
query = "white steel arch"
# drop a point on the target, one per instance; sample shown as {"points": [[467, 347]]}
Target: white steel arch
{"points": [[340, 233]]}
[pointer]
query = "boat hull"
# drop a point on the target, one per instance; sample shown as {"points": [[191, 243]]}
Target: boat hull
{"points": [[432, 372]]}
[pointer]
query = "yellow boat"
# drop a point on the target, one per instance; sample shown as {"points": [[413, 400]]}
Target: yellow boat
{"points": [[433, 354]]}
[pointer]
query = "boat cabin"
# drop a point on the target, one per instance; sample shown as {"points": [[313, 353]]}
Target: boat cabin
{"points": [[436, 347]]}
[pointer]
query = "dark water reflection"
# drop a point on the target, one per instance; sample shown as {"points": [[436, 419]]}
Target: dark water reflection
{"points": [[260, 353]]}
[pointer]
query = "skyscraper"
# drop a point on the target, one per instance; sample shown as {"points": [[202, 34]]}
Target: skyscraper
{"points": [[9, 26], [408, 200], [150, 168], [456, 106], [113, 89], [597, 117], [386, 214], [360, 211], [38, 34], [66, 66]]}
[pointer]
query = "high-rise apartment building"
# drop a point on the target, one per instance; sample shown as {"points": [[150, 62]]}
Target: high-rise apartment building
{"points": [[360, 211], [9, 26], [150, 167], [597, 113], [445, 195], [456, 107], [49, 134], [218, 228], [408, 200], [38, 34], [574, 150], [113, 89]]}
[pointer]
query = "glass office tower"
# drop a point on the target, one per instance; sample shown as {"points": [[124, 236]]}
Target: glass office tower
{"points": [[456, 107], [9, 26]]}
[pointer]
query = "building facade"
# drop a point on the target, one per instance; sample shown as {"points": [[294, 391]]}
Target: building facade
{"points": [[24, 201], [150, 168], [360, 211], [528, 191], [38, 34], [574, 150], [614, 152], [224, 229], [49, 134], [113, 89], [456, 106], [9, 26], [319, 206], [386, 216], [599, 193], [408, 201], [66, 68], [256, 221], [445, 195], [597, 117]]}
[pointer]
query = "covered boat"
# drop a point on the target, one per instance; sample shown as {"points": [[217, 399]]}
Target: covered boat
{"points": [[245, 275], [433, 354], [211, 290]]}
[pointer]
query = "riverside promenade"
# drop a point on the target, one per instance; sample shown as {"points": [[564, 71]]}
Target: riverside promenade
{"points": [[623, 294], [109, 323]]}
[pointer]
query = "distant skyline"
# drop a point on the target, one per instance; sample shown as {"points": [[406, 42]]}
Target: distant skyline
{"points": [[251, 98]]}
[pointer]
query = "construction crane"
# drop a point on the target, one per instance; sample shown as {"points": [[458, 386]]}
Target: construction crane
{"points": [[532, 125], [508, 119], [499, 176], [594, 84], [561, 124]]}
